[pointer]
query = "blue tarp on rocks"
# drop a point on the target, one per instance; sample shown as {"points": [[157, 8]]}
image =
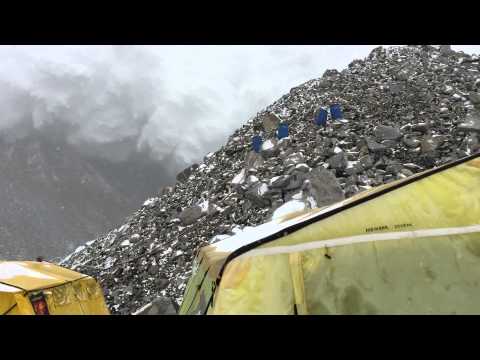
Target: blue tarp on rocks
{"points": [[321, 118], [257, 143], [336, 112], [282, 131]]}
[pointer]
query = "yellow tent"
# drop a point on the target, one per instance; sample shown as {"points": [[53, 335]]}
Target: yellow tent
{"points": [[408, 247], [29, 288]]}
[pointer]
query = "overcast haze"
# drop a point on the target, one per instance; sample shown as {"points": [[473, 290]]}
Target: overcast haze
{"points": [[182, 101]]}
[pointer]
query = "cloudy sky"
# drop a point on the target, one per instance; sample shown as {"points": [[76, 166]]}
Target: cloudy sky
{"points": [[182, 100]]}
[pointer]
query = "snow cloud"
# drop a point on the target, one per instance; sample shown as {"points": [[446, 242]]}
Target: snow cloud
{"points": [[176, 101]]}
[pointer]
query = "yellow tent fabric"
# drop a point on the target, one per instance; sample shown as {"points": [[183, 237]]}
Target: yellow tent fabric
{"points": [[409, 247], [66, 292]]}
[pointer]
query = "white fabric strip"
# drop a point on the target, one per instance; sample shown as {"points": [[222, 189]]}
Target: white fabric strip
{"points": [[329, 243]]}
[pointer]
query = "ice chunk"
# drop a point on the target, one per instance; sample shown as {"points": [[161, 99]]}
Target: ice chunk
{"points": [[204, 206], [262, 189], [311, 201], [78, 249], [288, 207], [123, 228], [239, 178], [297, 196], [12, 270], [267, 145], [218, 238], [150, 202]]}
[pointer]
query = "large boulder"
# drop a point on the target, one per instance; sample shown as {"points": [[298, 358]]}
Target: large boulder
{"points": [[270, 122], [338, 161], [294, 159], [253, 160], [190, 215], [324, 187], [166, 190], [257, 194], [445, 50], [373, 146], [383, 132], [269, 149], [280, 181], [296, 180], [475, 99]]}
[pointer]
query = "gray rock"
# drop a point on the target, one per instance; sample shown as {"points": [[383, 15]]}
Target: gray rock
{"points": [[373, 146], [253, 160], [472, 123], [212, 209], [166, 190], [190, 215], [338, 161], [284, 144], [153, 270], [257, 195], [475, 99], [445, 50], [353, 170], [280, 181], [270, 122], [351, 180], [396, 88], [294, 159], [161, 282], [364, 180], [273, 193], [302, 168], [351, 190], [472, 143], [325, 187], [383, 132], [413, 167], [394, 169], [406, 172], [271, 152], [295, 181], [431, 143], [389, 143], [365, 162], [411, 141]]}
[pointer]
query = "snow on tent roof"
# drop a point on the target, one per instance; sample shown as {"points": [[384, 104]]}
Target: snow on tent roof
{"points": [[217, 252], [30, 275], [253, 234], [8, 289]]}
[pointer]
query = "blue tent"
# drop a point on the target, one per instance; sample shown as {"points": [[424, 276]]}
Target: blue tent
{"points": [[257, 143], [321, 118], [336, 112], [282, 131]]}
